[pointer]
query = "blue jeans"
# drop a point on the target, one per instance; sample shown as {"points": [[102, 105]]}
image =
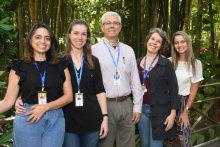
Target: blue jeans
{"points": [[145, 129], [81, 140], [47, 132]]}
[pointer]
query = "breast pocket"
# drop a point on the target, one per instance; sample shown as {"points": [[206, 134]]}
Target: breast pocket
{"points": [[88, 78], [126, 65]]}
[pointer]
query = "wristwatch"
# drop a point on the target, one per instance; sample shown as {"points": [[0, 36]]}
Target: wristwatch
{"points": [[187, 108], [105, 115]]}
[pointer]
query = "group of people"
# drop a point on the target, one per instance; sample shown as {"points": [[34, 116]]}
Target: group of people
{"points": [[95, 95]]}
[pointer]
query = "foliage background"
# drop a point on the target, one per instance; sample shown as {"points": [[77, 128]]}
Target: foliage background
{"points": [[199, 18]]}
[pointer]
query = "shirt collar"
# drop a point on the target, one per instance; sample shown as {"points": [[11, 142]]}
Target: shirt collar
{"points": [[109, 43]]}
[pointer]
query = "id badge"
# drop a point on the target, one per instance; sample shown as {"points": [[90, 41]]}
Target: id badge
{"points": [[117, 79], [79, 99], [42, 97], [144, 89]]}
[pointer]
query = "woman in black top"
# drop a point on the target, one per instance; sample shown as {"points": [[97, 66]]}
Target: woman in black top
{"points": [[42, 123], [160, 92], [85, 117]]}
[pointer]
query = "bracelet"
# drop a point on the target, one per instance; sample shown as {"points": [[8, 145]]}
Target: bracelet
{"points": [[105, 115]]}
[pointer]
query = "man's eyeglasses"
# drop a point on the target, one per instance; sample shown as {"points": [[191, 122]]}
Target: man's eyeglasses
{"points": [[110, 23]]}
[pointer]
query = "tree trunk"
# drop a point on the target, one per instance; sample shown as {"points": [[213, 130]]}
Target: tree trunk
{"points": [[198, 31], [57, 19], [20, 31], [33, 11], [186, 16], [156, 10], [174, 21], [212, 38]]}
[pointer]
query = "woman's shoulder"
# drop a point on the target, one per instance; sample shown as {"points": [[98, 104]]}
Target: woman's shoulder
{"points": [[64, 62], [198, 64], [163, 60], [20, 67], [17, 64]]}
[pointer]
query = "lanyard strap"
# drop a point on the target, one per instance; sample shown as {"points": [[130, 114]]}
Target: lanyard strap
{"points": [[113, 59], [42, 76], [78, 77], [145, 72]]}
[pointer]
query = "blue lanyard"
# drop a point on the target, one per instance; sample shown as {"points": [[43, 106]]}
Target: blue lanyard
{"points": [[78, 77], [42, 76], [145, 72], [113, 59]]}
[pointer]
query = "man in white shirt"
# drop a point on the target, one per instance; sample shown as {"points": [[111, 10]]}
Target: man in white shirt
{"points": [[120, 78]]}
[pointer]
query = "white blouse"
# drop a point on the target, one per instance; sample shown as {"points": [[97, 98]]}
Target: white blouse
{"points": [[185, 77]]}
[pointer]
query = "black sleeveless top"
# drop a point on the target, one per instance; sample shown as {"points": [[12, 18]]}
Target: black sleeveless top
{"points": [[30, 79]]}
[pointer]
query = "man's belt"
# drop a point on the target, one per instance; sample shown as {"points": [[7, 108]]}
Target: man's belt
{"points": [[117, 99]]}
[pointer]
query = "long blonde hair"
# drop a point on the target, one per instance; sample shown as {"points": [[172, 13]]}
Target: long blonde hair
{"points": [[190, 58]]}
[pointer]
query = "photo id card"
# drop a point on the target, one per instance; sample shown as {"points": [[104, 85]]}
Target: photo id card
{"points": [[79, 99], [42, 97], [144, 89], [117, 79]]}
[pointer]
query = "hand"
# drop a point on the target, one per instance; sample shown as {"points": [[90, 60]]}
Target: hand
{"points": [[36, 112], [104, 128], [19, 109], [136, 117], [184, 119], [169, 122]]}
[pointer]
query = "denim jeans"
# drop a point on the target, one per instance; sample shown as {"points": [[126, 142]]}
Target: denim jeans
{"points": [[47, 132], [145, 129], [81, 140]]}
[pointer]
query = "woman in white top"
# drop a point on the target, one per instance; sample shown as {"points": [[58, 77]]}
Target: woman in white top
{"points": [[189, 74]]}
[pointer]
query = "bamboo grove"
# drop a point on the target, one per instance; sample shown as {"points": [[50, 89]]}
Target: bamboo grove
{"points": [[197, 17]]}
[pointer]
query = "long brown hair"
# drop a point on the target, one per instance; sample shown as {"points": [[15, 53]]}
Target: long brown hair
{"points": [[190, 58], [86, 48]]}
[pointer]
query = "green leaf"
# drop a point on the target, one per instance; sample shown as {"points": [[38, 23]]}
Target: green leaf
{"points": [[207, 28], [201, 11], [1, 72], [200, 139], [211, 134], [194, 138], [215, 62], [199, 96], [6, 27], [197, 105], [212, 20], [4, 20], [209, 90], [2, 83], [6, 137]]}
